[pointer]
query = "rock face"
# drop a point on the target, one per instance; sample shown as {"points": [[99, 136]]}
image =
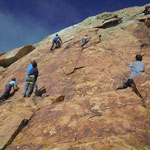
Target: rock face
{"points": [[14, 55], [13, 117], [77, 107]]}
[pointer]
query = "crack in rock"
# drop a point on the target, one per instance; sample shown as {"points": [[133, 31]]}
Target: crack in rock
{"points": [[23, 123], [77, 68]]}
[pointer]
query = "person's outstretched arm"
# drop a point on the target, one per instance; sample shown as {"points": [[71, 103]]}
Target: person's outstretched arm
{"points": [[131, 66], [60, 39], [15, 87]]}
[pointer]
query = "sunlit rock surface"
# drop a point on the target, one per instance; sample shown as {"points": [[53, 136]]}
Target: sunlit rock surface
{"points": [[77, 107], [12, 56]]}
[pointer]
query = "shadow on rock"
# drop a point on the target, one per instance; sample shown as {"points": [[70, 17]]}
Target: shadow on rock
{"points": [[41, 91], [2, 98]]}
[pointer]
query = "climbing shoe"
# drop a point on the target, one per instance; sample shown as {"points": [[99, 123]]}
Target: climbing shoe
{"points": [[124, 86]]}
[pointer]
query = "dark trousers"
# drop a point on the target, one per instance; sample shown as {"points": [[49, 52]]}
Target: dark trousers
{"points": [[30, 89], [7, 92], [128, 83], [57, 42], [84, 41], [147, 11]]}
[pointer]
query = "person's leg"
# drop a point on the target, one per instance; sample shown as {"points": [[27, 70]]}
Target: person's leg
{"points": [[52, 45], [25, 88], [7, 92], [146, 11], [35, 88], [58, 44], [83, 42], [126, 84], [30, 90]]}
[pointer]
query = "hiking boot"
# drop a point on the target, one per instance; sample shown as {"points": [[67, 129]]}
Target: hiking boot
{"points": [[24, 96], [124, 86]]}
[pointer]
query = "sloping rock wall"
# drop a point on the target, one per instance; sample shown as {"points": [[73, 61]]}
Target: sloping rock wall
{"points": [[78, 107]]}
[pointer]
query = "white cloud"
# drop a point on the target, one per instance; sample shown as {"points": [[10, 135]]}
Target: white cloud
{"points": [[16, 33], [28, 28]]}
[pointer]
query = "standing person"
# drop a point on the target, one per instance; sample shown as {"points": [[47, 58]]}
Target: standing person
{"points": [[136, 68], [8, 88], [84, 40], [56, 40], [27, 77], [33, 75]]}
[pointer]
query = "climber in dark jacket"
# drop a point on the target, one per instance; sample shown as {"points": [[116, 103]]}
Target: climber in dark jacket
{"points": [[26, 80], [8, 88], [136, 68], [56, 40], [33, 75], [147, 10]]}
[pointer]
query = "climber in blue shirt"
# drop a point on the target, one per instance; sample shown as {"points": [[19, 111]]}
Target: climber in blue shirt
{"points": [[8, 88], [56, 40], [29, 68], [26, 80]]}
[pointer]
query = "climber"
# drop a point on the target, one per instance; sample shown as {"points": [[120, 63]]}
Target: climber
{"points": [[32, 78], [57, 40], [27, 78], [147, 10], [8, 88], [137, 68], [84, 40]]}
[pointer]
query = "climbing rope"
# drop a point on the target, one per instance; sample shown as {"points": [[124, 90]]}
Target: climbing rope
{"points": [[133, 84]]}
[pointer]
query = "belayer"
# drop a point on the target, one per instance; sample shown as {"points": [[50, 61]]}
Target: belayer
{"points": [[26, 80], [8, 88], [136, 68], [56, 41], [32, 78]]}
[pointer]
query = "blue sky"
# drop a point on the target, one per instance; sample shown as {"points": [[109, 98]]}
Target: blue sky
{"points": [[24, 22]]}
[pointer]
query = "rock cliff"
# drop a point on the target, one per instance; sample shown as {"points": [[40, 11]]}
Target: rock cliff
{"points": [[77, 107]]}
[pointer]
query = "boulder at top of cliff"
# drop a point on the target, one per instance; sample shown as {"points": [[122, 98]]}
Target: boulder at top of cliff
{"points": [[10, 57]]}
